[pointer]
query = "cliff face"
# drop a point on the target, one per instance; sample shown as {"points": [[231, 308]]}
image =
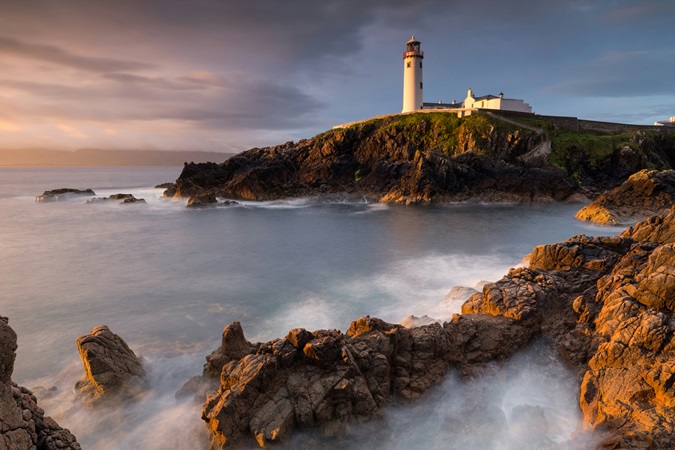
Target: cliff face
{"points": [[435, 157], [418, 158]]}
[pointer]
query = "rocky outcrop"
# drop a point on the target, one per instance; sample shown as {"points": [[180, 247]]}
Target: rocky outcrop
{"points": [[62, 194], [604, 304], [644, 194], [329, 379], [408, 159], [164, 185], [23, 425], [207, 199], [233, 346], [120, 198], [111, 369]]}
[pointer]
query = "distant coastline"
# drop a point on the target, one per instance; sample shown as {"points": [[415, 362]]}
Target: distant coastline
{"points": [[104, 158]]}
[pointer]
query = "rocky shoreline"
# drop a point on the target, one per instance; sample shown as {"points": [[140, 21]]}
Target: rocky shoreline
{"points": [[602, 304]]}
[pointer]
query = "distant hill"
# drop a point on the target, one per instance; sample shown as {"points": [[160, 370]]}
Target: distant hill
{"points": [[94, 157]]}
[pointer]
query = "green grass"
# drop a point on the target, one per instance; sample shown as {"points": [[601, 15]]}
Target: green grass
{"points": [[579, 153], [443, 131], [537, 122]]}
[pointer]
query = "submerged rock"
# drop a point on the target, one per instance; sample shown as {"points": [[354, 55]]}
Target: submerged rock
{"points": [[23, 425], [604, 304], [121, 198], [644, 194], [111, 369], [62, 194]]}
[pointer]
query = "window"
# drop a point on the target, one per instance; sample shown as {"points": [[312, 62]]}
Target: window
{"points": [[420, 64], [408, 65], [421, 85]]}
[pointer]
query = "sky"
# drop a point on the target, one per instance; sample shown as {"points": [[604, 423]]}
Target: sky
{"points": [[227, 75]]}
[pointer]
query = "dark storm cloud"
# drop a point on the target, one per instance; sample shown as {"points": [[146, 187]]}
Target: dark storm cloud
{"points": [[56, 55]]}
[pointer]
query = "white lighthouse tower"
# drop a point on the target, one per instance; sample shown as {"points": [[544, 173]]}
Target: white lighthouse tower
{"points": [[412, 76]]}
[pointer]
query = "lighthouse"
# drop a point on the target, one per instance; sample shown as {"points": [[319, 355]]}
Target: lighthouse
{"points": [[412, 76]]}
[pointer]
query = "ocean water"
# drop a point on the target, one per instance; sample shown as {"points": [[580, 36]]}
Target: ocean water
{"points": [[168, 279]]}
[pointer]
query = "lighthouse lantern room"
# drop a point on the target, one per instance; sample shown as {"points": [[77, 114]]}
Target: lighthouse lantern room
{"points": [[412, 76]]}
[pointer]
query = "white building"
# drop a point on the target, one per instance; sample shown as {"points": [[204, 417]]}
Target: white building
{"points": [[413, 90]]}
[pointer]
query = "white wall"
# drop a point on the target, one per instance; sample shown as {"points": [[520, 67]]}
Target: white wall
{"points": [[413, 97]]}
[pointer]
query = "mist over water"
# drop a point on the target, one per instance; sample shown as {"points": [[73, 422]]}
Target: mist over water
{"points": [[168, 279]]}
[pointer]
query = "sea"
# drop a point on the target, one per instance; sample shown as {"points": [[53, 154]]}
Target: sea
{"points": [[167, 279]]}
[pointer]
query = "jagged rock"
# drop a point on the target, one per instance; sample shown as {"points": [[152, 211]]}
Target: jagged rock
{"points": [[121, 198], [233, 347], [23, 425], [333, 380], [385, 161], [645, 193], [202, 199], [62, 194], [164, 185], [111, 369], [328, 379], [133, 199], [658, 229]]}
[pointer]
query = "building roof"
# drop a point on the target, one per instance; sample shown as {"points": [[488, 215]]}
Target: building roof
{"points": [[486, 97], [443, 105]]}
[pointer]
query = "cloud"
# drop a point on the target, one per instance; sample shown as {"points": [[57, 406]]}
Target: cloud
{"points": [[9, 125], [639, 10], [225, 102], [629, 74], [56, 55], [71, 131]]}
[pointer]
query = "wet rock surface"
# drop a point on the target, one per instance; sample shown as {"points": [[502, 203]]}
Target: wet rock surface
{"points": [[644, 194], [112, 372], [23, 424], [63, 194], [208, 199], [605, 305]]}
